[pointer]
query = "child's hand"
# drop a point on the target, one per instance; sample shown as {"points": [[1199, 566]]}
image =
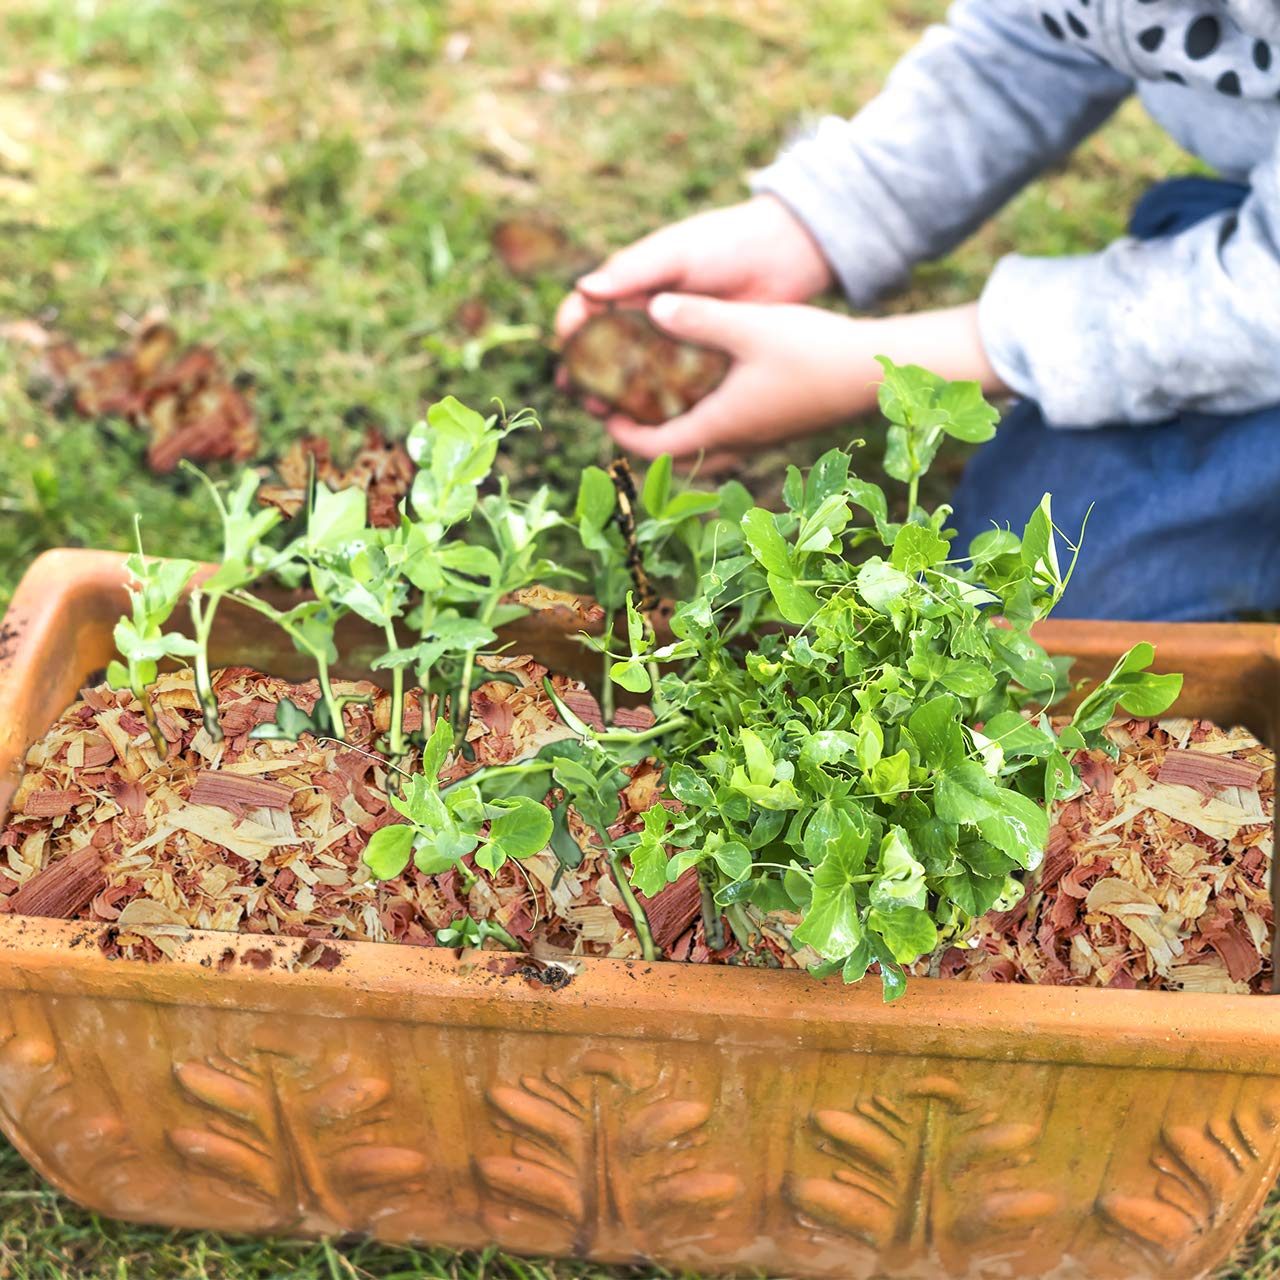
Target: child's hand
{"points": [[756, 251], [795, 370]]}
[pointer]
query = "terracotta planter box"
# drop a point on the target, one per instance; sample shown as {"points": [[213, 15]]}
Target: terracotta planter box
{"points": [[712, 1119]]}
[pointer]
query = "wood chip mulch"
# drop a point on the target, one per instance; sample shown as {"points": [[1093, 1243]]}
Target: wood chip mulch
{"points": [[1156, 875], [266, 837]]}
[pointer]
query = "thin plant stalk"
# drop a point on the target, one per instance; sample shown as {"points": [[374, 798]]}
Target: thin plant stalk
{"points": [[333, 705], [641, 921], [712, 917], [462, 712], [202, 618], [395, 745]]}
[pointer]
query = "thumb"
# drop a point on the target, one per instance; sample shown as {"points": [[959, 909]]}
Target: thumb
{"points": [[710, 322], [654, 262]]}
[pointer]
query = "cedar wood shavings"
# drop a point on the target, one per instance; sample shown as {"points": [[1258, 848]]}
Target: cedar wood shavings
{"points": [[236, 793], [1156, 875], [187, 401], [1148, 880], [62, 888], [382, 468], [266, 837]]}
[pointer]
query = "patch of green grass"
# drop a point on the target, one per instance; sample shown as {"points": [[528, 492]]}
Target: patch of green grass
{"points": [[312, 187]]}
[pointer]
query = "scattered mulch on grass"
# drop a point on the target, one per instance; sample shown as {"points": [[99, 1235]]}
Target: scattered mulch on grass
{"points": [[1156, 875], [187, 401], [382, 468], [266, 837], [531, 245]]}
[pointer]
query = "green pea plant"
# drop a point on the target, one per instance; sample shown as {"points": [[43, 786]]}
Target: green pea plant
{"points": [[879, 769], [140, 637], [244, 525], [851, 713]]}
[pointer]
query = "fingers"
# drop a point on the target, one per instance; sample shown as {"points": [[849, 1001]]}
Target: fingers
{"points": [[577, 308], [710, 322], [571, 314], [629, 276], [654, 262], [691, 433]]}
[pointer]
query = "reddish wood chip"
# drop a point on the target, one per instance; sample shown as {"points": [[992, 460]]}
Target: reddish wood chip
{"points": [[634, 718], [1206, 772], [583, 704], [1236, 947], [63, 887], [673, 910], [236, 793], [51, 804]]}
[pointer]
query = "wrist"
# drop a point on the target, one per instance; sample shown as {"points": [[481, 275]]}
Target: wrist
{"points": [[947, 342], [787, 235]]}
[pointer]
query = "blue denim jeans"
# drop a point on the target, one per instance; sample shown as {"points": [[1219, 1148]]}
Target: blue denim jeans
{"points": [[1186, 513]]}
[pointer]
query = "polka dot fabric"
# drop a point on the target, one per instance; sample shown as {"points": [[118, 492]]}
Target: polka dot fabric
{"points": [[1227, 47]]}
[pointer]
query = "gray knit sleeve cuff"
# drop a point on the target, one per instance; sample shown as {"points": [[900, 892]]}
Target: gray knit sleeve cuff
{"points": [[1046, 329], [852, 238]]}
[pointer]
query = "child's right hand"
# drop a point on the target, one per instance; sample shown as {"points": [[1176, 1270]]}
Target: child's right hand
{"points": [[756, 251]]}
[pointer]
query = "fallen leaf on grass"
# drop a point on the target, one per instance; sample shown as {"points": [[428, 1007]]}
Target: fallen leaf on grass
{"points": [[382, 468], [531, 246]]}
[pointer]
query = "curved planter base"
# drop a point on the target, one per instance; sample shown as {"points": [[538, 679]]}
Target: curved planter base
{"points": [[718, 1120]]}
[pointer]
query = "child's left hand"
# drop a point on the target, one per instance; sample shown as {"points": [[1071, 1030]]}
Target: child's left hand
{"points": [[796, 369]]}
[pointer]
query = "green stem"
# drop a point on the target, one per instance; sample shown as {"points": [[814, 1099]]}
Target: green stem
{"points": [[202, 618], [487, 929], [606, 692], [712, 919], [395, 743], [643, 735], [462, 712], [740, 923], [913, 491], [638, 917], [331, 703], [496, 771]]}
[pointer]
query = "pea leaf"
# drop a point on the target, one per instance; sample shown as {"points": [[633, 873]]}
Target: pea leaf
{"points": [[909, 933], [649, 857], [767, 545], [389, 850], [833, 925]]}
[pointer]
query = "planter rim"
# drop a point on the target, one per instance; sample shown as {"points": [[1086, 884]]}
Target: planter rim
{"points": [[725, 1002], [721, 1003]]}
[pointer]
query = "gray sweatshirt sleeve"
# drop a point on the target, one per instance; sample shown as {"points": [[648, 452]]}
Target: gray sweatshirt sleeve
{"points": [[967, 118], [1147, 328]]}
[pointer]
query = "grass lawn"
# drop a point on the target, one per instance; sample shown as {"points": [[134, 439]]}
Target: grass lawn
{"points": [[312, 187]]}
